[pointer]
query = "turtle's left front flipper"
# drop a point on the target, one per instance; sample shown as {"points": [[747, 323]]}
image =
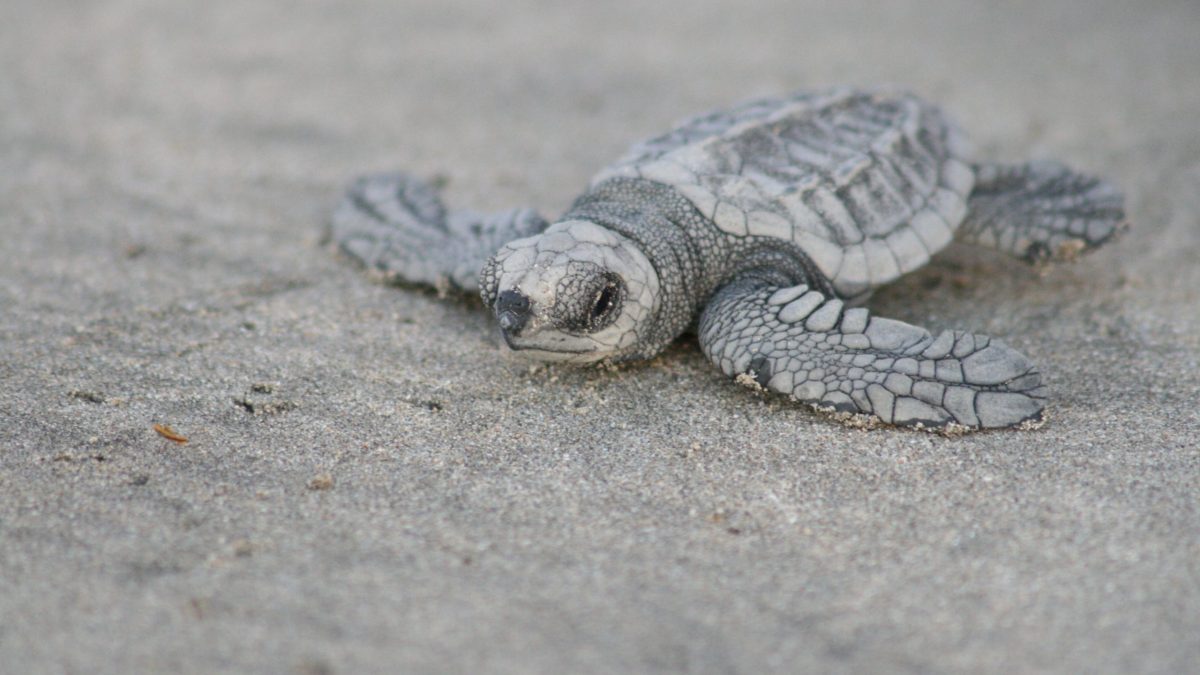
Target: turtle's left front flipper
{"points": [[799, 342], [1041, 211], [396, 224]]}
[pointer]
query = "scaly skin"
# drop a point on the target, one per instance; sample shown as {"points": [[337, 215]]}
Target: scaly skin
{"points": [[806, 345]]}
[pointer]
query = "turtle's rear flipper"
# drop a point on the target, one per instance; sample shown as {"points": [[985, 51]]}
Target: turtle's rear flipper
{"points": [[1040, 211], [396, 224], [801, 343]]}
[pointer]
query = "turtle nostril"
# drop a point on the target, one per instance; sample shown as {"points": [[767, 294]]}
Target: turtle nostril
{"points": [[512, 311], [512, 301]]}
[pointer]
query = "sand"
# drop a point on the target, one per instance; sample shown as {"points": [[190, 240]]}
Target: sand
{"points": [[371, 483]]}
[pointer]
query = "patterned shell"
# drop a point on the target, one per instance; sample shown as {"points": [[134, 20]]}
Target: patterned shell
{"points": [[868, 183]]}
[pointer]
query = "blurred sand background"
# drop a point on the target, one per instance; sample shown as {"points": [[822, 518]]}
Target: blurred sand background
{"points": [[372, 484]]}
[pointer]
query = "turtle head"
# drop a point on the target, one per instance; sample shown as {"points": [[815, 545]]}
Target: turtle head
{"points": [[577, 292]]}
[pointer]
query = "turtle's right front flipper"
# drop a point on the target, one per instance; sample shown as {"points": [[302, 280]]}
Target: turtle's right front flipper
{"points": [[396, 224], [801, 343]]}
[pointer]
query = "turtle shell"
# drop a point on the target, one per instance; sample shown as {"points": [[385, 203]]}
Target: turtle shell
{"points": [[868, 183]]}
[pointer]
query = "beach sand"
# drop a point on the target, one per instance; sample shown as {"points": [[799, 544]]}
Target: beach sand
{"points": [[372, 483]]}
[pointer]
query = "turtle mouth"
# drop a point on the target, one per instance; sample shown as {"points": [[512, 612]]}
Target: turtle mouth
{"points": [[516, 347], [558, 356], [548, 353], [543, 350]]}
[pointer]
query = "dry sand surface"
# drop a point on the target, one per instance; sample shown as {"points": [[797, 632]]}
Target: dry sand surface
{"points": [[371, 483]]}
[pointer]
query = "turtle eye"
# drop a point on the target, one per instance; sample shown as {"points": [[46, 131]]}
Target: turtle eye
{"points": [[604, 302], [589, 299]]}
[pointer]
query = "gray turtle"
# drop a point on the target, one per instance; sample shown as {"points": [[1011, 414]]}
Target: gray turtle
{"points": [[761, 228]]}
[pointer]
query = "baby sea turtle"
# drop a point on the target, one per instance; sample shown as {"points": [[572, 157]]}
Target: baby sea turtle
{"points": [[760, 228]]}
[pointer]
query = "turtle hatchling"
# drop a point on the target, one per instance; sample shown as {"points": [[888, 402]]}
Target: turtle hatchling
{"points": [[761, 228]]}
